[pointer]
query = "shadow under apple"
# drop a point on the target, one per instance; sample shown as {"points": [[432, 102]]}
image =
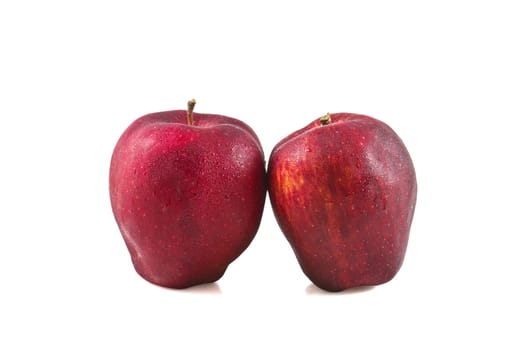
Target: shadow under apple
{"points": [[312, 289], [205, 289]]}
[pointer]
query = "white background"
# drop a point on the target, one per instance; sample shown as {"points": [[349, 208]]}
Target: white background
{"points": [[449, 77]]}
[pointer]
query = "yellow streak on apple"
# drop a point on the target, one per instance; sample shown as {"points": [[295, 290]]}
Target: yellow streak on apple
{"points": [[290, 182]]}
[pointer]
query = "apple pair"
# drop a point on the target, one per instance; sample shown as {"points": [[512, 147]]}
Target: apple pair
{"points": [[187, 191]]}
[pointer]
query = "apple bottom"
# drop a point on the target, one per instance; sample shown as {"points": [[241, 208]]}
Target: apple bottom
{"points": [[184, 273], [181, 257], [340, 243], [341, 276]]}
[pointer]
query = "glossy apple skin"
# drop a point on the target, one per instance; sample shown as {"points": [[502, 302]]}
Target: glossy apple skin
{"points": [[188, 199], [344, 196]]}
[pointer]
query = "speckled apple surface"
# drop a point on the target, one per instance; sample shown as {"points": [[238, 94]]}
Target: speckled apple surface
{"points": [[344, 195], [188, 199]]}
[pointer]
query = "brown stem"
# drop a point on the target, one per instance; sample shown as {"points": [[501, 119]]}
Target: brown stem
{"points": [[191, 106], [325, 120]]}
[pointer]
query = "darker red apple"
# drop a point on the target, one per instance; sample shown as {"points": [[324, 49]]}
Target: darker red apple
{"points": [[187, 191], [343, 190]]}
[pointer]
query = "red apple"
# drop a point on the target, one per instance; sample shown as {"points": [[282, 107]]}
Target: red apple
{"points": [[187, 192], [343, 190]]}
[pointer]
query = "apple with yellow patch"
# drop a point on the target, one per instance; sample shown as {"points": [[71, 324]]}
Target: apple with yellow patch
{"points": [[343, 190]]}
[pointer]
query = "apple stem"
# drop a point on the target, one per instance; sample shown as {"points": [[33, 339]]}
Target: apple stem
{"points": [[191, 106], [325, 120]]}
